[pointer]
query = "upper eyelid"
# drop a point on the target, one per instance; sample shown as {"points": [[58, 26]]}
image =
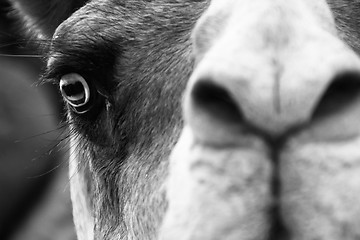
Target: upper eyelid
{"points": [[56, 68], [59, 64], [80, 59], [52, 72]]}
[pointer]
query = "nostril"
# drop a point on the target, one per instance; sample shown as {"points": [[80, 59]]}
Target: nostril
{"points": [[343, 92], [215, 101]]}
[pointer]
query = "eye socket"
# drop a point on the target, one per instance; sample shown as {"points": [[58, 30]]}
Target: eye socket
{"points": [[76, 92]]}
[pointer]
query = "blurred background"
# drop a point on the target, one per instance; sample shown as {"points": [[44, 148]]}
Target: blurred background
{"points": [[34, 189]]}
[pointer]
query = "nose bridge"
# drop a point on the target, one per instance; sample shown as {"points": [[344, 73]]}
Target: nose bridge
{"points": [[275, 59], [261, 22]]}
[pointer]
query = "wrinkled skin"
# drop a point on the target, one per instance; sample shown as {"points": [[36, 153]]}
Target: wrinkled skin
{"points": [[222, 119]]}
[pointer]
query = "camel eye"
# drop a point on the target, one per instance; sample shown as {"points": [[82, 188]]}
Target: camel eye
{"points": [[76, 92]]}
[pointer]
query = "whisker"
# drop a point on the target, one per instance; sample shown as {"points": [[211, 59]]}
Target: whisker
{"points": [[41, 134], [43, 174], [50, 152], [50, 149], [41, 116], [21, 56]]}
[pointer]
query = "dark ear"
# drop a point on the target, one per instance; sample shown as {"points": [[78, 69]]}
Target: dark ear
{"points": [[44, 16]]}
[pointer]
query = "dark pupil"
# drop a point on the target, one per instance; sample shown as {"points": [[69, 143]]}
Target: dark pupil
{"points": [[74, 89]]}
